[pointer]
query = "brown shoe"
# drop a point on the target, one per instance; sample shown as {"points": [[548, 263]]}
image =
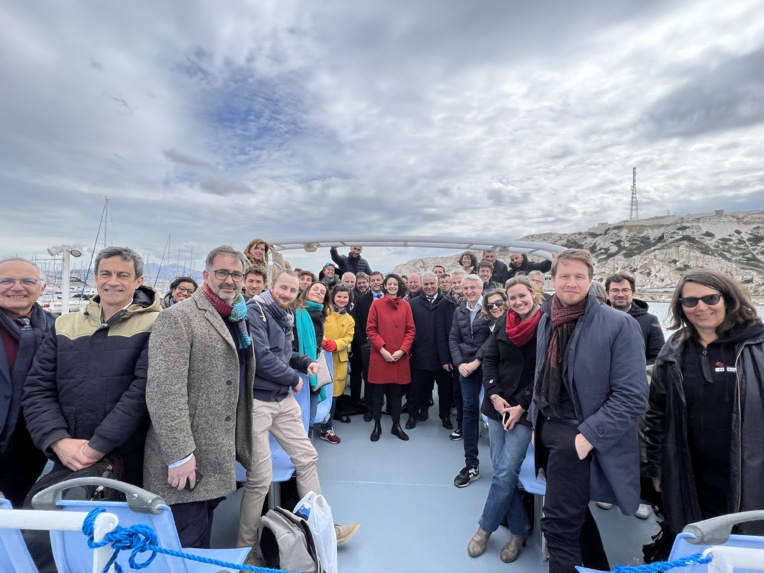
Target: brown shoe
{"points": [[512, 548], [345, 532], [476, 546]]}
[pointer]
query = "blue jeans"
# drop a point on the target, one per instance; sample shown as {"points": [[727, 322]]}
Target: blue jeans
{"points": [[471, 415], [327, 424], [508, 449]]}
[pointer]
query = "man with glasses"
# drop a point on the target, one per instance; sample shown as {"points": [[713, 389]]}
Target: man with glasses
{"points": [[201, 369], [180, 289], [23, 323], [621, 288]]}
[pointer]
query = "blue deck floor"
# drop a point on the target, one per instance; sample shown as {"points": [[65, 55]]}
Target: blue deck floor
{"points": [[412, 517]]}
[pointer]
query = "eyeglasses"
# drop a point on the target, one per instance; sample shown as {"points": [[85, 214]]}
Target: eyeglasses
{"points": [[184, 290], [692, 301], [621, 291], [498, 303], [9, 282], [222, 274]]}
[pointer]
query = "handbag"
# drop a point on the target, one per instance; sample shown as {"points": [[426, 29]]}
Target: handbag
{"points": [[324, 376]]}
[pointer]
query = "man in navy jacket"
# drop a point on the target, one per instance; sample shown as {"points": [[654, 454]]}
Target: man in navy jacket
{"points": [[590, 389]]}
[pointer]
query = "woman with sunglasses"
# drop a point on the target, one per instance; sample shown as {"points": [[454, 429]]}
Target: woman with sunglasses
{"points": [[494, 307], [705, 419], [508, 369]]}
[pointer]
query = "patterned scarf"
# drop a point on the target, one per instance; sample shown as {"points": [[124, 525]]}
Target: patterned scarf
{"points": [[521, 331], [235, 313]]}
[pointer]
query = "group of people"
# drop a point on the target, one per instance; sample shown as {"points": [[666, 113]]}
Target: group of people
{"points": [[175, 389]]}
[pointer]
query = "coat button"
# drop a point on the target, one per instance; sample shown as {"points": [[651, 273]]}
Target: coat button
{"points": [[228, 418], [228, 382]]}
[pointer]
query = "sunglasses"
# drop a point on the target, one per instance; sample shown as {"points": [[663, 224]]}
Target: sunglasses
{"points": [[498, 303], [708, 300]]}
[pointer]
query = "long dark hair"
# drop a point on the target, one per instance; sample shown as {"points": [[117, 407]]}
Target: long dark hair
{"points": [[738, 308]]}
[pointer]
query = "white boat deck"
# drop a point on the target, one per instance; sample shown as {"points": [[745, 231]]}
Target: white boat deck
{"points": [[412, 517]]}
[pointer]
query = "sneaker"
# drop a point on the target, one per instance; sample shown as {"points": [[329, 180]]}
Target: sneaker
{"points": [[603, 505], [456, 435], [466, 476], [643, 511], [330, 436], [345, 532]]}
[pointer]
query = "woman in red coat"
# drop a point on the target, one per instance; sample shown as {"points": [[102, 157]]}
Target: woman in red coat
{"points": [[390, 328]]}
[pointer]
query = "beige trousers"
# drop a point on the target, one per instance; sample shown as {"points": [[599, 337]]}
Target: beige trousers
{"points": [[283, 420]]}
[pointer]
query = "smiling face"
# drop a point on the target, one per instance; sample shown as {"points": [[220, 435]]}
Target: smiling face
{"points": [[341, 300], [498, 308], [414, 284], [456, 284], [116, 283], [485, 274], [375, 281], [489, 256], [348, 279], [571, 281], [183, 291], [706, 318], [284, 290], [466, 261], [430, 286], [317, 293], [19, 298], [620, 295], [391, 287], [444, 283], [355, 252], [228, 288], [257, 252], [254, 284], [362, 285], [305, 282], [520, 300], [329, 271], [472, 291]]}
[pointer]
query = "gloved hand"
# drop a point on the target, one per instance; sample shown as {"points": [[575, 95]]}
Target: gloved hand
{"points": [[329, 345]]}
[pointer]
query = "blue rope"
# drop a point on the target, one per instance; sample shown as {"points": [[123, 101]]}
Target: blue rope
{"points": [[660, 566], [141, 538]]}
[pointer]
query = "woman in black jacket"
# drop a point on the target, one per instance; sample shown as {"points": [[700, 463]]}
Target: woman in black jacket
{"points": [[705, 418], [508, 368]]}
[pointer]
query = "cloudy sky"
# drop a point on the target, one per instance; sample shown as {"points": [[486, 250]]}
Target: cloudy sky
{"points": [[218, 122]]}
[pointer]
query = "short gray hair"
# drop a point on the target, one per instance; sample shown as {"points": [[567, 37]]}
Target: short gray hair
{"points": [[27, 261], [125, 253], [429, 275], [457, 272], [472, 277], [226, 250]]}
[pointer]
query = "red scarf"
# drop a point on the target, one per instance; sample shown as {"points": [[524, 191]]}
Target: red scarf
{"points": [[522, 331], [220, 305]]}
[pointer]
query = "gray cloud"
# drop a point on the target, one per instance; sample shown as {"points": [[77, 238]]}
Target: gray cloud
{"points": [[175, 156]]}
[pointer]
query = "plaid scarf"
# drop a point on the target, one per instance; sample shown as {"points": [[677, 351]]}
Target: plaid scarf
{"points": [[235, 313]]}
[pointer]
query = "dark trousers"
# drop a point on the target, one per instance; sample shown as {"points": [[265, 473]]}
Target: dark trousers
{"points": [[571, 533], [20, 466], [422, 382], [378, 397], [367, 388], [471, 387], [357, 372], [457, 397], [193, 521]]}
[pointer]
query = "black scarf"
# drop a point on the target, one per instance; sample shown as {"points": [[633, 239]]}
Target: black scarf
{"points": [[28, 332]]}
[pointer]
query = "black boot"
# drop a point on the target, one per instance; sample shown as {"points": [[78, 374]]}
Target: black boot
{"points": [[397, 431], [377, 431], [411, 424]]}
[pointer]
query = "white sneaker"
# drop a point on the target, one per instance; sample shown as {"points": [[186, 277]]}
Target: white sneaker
{"points": [[643, 512], [603, 505]]}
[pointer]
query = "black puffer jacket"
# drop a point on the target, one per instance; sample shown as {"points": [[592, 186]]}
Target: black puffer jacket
{"points": [[88, 380], [651, 329], [667, 441], [349, 264], [527, 266], [467, 341], [508, 371]]}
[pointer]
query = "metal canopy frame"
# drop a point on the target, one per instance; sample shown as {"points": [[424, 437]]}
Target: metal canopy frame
{"points": [[311, 245]]}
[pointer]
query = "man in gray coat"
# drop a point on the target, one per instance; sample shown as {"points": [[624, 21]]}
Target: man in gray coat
{"points": [[199, 396], [590, 390]]}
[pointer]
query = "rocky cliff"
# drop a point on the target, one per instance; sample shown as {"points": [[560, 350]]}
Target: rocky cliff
{"points": [[660, 249]]}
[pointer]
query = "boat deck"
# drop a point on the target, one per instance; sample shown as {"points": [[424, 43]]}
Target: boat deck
{"points": [[412, 517]]}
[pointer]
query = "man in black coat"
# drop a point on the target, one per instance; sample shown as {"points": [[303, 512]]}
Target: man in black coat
{"points": [[352, 263], [23, 323], [500, 272], [428, 357], [361, 344], [519, 263]]}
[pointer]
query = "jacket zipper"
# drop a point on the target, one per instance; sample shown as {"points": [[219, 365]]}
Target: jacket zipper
{"points": [[739, 429]]}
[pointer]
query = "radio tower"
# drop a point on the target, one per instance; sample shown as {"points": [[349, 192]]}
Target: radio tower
{"points": [[634, 212]]}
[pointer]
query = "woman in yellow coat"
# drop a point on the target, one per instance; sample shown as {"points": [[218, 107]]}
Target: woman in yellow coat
{"points": [[338, 334]]}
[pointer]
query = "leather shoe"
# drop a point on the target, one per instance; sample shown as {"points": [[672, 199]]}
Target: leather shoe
{"points": [[447, 424], [512, 547], [400, 433], [367, 416], [411, 423], [376, 432], [476, 546], [423, 415]]}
